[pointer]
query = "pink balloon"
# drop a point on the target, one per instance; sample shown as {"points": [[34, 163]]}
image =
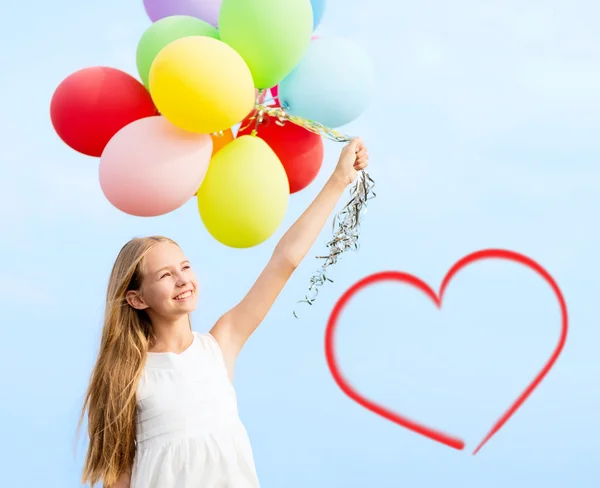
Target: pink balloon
{"points": [[151, 167]]}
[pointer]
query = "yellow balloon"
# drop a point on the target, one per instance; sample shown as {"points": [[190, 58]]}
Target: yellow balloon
{"points": [[244, 196], [200, 84]]}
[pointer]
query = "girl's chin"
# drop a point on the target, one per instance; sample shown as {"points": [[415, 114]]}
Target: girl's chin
{"points": [[186, 305]]}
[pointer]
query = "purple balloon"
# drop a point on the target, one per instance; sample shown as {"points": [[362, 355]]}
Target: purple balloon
{"points": [[206, 10]]}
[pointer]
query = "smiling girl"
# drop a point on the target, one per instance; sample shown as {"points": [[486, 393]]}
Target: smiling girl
{"points": [[161, 407]]}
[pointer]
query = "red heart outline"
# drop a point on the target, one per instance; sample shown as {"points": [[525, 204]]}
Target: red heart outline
{"points": [[415, 282]]}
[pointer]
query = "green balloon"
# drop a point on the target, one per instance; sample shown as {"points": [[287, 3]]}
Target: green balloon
{"points": [[270, 35], [165, 31]]}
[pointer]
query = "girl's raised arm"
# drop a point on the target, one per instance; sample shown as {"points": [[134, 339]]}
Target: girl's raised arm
{"points": [[234, 328]]}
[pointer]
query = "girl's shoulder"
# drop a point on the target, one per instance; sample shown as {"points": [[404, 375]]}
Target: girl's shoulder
{"points": [[207, 342]]}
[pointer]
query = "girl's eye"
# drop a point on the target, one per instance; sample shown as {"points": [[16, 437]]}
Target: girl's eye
{"points": [[166, 274], [187, 267]]}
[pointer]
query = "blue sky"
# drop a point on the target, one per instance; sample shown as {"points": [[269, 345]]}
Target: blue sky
{"points": [[482, 133]]}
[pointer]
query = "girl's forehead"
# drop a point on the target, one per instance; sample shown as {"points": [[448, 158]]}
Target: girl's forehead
{"points": [[164, 254]]}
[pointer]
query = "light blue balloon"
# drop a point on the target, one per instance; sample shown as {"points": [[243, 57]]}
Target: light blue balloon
{"points": [[332, 84], [318, 11]]}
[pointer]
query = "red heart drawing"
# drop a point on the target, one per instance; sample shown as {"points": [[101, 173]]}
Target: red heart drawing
{"points": [[415, 282]]}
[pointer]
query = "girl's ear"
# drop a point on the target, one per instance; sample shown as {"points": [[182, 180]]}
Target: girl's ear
{"points": [[135, 300]]}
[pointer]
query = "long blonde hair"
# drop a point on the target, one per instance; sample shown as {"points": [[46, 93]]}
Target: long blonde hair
{"points": [[110, 400]]}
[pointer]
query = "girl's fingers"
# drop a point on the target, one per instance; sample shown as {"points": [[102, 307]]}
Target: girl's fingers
{"points": [[363, 158], [362, 154]]}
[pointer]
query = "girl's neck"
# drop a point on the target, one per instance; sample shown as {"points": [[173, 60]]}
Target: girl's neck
{"points": [[171, 336]]}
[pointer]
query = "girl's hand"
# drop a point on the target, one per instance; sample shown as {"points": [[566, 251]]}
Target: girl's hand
{"points": [[354, 158]]}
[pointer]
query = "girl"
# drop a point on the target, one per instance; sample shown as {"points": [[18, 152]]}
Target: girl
{"points": [[161, 407]]}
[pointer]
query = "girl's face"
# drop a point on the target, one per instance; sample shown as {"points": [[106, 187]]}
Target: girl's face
{"points": [[169, 287]]}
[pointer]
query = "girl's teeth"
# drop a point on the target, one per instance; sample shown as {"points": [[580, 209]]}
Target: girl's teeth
{"points": [[183, 295]]}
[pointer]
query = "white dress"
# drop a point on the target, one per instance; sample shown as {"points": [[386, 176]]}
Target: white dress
{"points": [[189, 434]]}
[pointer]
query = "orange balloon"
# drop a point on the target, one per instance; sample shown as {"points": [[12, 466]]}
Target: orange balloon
{"points": [[221, 140]]}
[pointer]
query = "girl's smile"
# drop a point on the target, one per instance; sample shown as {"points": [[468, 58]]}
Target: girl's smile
{"points": [[184, 296]]}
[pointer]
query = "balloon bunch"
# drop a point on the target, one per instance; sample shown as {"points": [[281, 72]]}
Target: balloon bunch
{"points": [[206, 69]]}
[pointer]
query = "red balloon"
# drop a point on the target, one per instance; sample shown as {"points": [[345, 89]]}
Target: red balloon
{"points": [[299, 150], [91, 105]]}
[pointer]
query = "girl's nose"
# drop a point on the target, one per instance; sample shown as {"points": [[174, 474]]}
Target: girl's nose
{"points": [[182, 280]]}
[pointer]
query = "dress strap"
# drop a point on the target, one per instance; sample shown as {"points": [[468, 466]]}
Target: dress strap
{"points": [[212, 345]]}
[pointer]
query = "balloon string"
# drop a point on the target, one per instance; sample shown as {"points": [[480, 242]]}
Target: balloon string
{"points": [[346, 223], [346, 230]]}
